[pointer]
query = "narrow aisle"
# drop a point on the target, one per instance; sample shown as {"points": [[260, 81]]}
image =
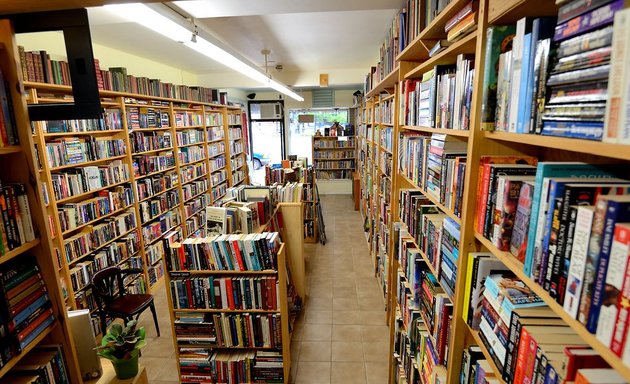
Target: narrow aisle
{"points": [[341, 337]]}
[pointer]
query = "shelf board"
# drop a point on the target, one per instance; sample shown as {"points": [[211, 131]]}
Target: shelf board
{"points": [[91, 251], [86, 133], [88, 193], [517, 267], [225, 272], [86, 163], [216, 140], [191, 144], [388, 83], [149, 129], [75, 229], [10, 149], [194, 179], [18, 251], [195, 196], [333, 148], [449, 56], [151, 242], [189, 127], [203, 310], [16, 359], [218, 154], [616, 151], [147, 222], [193, 162], [486, 353], [332, 169], [433, 200], [147, 106], [451, 132], [509, 11], [195, 213], [158, 193], [217, 169], [339, 158], [155, 173], [153, 151]]}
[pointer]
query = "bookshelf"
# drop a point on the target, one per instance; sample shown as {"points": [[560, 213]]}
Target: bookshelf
{"points": [[333, 157], [413, 66], [173, 165], [237, 146], [310, 199], [24, 170]]}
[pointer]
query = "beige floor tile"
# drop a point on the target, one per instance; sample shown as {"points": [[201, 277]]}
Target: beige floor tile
{"points": [[371, 333], [317, 332], [313, 373], [162, 347], [343, 332], [347, 351], [319, 303], [376, 351], [317, 317], [348, 373], [372, 317], [316, 351], [344, 304], [376, 372], [346, 317]]}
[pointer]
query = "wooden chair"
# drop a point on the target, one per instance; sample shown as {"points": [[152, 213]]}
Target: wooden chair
{"points": [[113, 300]]}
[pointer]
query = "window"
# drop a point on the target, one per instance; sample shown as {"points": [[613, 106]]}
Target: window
{"points": [[301, 129]]}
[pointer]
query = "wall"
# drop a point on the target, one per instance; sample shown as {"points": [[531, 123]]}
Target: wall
{"points": [[52, 42]]}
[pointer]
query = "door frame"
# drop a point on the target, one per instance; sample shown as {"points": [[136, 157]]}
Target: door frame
{"points": [[283, 147]]}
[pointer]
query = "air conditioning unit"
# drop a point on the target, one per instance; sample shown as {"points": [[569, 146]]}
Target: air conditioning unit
{"points": [[270, 111]]}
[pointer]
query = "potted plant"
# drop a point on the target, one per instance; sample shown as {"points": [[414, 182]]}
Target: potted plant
{"points": [[121, 346]]}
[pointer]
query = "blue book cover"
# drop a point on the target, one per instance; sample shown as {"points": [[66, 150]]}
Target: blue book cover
{"points": [[36, 332], [524, 83], [618, 210], [26, 312], [555, 169]]}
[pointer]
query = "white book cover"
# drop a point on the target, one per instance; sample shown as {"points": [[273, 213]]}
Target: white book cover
{"points": [[216, 221], [616, 122], [515, 75], [581, 237], [93, 177]]}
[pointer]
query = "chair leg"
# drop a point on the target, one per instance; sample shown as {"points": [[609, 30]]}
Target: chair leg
{"points": [[155, 320], [103, 323]]}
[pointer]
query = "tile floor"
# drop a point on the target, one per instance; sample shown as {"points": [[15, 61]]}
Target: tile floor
{"points": [[341, 336]]}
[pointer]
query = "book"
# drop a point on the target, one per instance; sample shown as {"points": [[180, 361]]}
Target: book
{"points": [[598, 376], [518, 240], [511, 292], [588, 21], [616, 125], [508, 190], [216, 221]]}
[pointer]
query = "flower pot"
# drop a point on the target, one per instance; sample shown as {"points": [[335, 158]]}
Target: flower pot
{"points": [[126, 369]]}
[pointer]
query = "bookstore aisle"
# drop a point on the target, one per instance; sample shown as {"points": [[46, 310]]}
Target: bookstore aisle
{"points": [[341, 336]]}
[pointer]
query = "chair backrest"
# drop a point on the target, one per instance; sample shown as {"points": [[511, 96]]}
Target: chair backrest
{"points": [[107, 284]]}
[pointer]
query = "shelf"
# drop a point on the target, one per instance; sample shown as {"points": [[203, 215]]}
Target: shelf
{"points": [[195, 213], [333, 148], [238, 182], [224, 272], [63, 234], [73, 261], [213, 346], [517, 267], [16, 359], [448, 56], [195, 196], [158, 193], [155, 173], [216, 140], [147, 105], [18, 251], [217, 169], [88, 193], [451, 132], [187, 109], [86, 163], [201, 143], [86, 133], [153, 151], [219, 197], [193, 162], [10, 149], [151, 242], [339, 158], [509, 11], [189, 127], [194, 179], [388, 83], [433, 200], [147, 222], [217, 184], [486, 353], [132, 130], [616, 151], [332, 169], [205, 310], [331, 137], [216, 155]]}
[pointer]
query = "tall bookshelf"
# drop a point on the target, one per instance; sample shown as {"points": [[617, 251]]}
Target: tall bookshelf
{"points": [[414, 62], [310, 199], [24, 170], [175, 155], [238, 147], [334, 157]]}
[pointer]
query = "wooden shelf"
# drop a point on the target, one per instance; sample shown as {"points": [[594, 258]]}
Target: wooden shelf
{"points": [[16, 359], [184, 182], [217, 169], [88, 133], [333, 148], [151, 242], [158, 193], [18, 251], [189, 127], [193, 162], [205, 310], [150, 129], [466, 45], [216, 155], [202, 143], [517, 267], [89, 193], [433, 200], [486, 353], [154, 173], [509, 11], [615, 151], [146, 105], [195, 196], [153, 151], [216, 140], [452, 132], [147, 222], [73, 261], [386, 85], [75, 229], [87, 163], [10, 149]]}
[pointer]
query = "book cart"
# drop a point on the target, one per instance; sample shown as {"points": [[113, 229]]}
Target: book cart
{"points": [[413, 62]]}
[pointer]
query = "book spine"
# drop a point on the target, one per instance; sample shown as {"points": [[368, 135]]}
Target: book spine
{"points": [[588, 21], [566, 255], [616, 126], [575, 279]]}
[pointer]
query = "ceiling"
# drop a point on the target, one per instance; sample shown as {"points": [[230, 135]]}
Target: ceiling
{"points": [[306, 37]]}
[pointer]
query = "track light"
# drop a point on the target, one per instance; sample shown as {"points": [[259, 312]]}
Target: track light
{"points": [[193, 39]]}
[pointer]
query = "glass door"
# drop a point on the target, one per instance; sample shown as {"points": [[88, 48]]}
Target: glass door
{"points": [[267, 136]]}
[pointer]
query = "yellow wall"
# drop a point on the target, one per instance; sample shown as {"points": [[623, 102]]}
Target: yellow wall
{"points": [[52, 42]]}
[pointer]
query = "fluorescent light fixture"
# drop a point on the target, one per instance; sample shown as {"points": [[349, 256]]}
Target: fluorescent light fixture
{"points": [[156, 21]]}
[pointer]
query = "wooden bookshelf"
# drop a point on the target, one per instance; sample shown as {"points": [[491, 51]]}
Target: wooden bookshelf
{"points": [[413, 63], [24, 170], [325, 151]]}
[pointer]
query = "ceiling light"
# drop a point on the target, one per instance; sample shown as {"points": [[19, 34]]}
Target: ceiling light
{"points": [[168, 26]]}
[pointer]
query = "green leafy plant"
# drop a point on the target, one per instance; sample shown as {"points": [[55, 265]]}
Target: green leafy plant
{"points": [[120, 342]]}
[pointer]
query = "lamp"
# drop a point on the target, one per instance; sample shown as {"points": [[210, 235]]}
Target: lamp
{"points": [[160, 19]]}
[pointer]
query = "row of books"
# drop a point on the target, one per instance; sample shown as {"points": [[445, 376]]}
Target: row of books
{"points": [[188, 118], [44, 364], [150, 209], [16, 225], [349, 142], [148, 164], [26, 308], [253, 252], [111, 119], [8, 126], [206, 365], [554, 77], [442, 98], [38, 67], [74, 150], [146, 117], [150, 141], [436, 164], [228, 293], [73, 215], [80, 180]]}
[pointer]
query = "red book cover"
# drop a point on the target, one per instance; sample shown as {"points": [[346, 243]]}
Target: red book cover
{"points": [[239, 257], [182, 259], [274, 293], [34, 324], [623, 313], [191, 303], [581, 357], [521, 360], [229, 293], [28, 300]]}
